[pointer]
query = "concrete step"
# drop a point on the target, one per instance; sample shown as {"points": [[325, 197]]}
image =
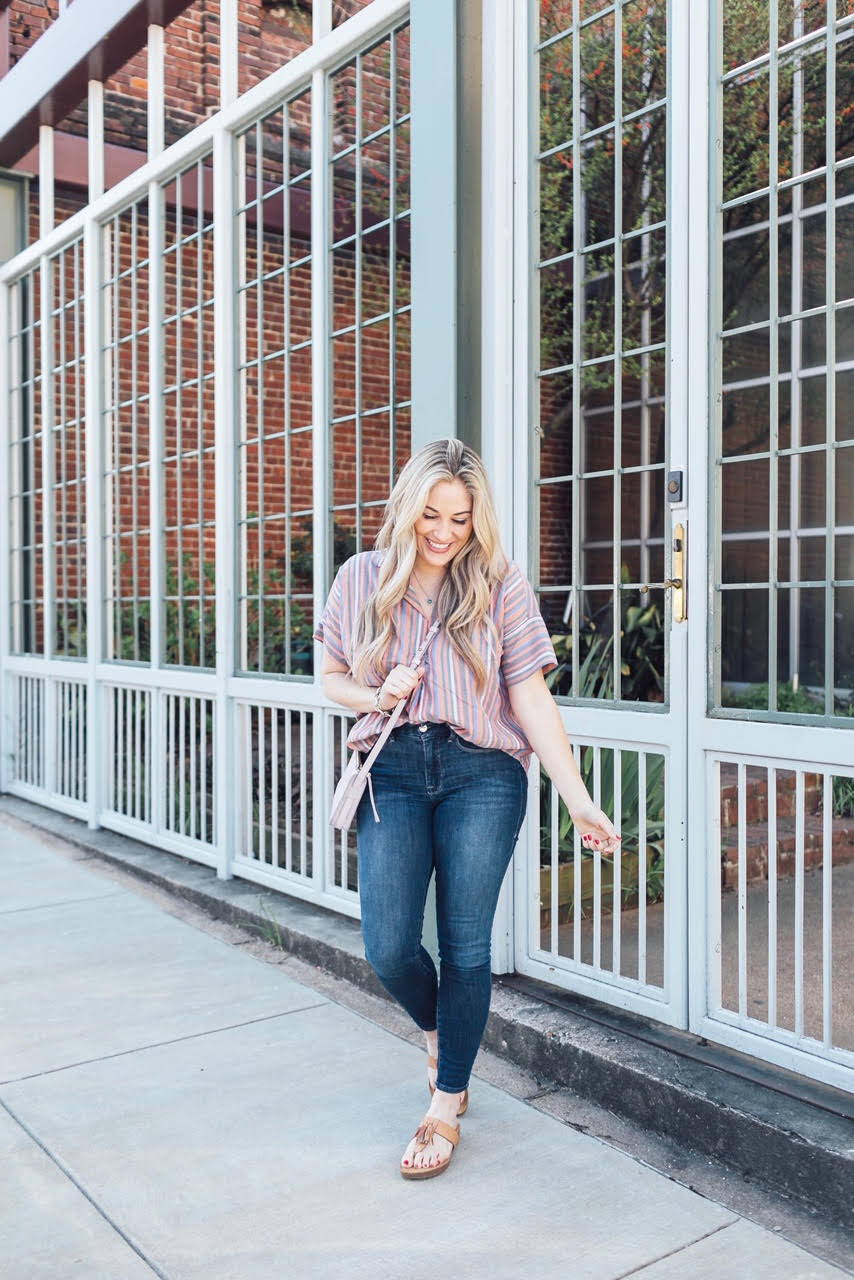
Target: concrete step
{"points": [[780, 1131]]}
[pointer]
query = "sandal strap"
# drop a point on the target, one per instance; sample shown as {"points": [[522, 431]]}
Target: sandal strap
{"points": [[430, 1126]]}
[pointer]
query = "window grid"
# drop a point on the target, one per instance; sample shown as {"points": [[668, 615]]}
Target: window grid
{"points": [[26, 496], [370, 332], [599, 443], [275, 371], [784, 567], [127, 469], [69, 460], [188, 403]]}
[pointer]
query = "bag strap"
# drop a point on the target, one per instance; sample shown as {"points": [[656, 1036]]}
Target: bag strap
{"points": [[395, 715]]}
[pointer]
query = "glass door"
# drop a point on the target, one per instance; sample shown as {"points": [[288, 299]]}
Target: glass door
{"points": [[685, 288], [771, 740], [606, 492]]}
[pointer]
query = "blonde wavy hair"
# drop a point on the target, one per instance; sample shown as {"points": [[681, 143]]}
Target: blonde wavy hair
{"points": [[463, 603]]}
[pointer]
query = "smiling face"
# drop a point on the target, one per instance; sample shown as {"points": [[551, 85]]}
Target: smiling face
{"points": [[444, 526]]}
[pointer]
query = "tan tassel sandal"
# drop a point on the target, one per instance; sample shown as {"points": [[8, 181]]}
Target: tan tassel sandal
{"points": [[464, 1096], [424, 1135]]}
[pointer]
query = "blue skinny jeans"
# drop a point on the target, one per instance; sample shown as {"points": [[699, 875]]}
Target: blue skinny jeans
{"points": [[456, 809]]}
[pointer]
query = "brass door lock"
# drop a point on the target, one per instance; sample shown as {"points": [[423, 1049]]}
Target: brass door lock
{"points": [[677, 582]]}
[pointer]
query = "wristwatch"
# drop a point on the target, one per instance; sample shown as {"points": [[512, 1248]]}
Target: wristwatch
{"points": [[377, 706]]}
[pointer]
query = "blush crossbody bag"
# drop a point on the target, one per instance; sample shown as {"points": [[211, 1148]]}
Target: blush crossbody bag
{"points": [[357, 775]]}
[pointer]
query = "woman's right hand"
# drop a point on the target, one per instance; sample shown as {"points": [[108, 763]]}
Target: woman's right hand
{"points": [[399, 683]]}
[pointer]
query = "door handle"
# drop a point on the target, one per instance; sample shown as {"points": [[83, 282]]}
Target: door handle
{"points": [[677, 582]]}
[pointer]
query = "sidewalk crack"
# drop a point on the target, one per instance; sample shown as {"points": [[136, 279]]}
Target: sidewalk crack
{"points": [[65, 902], [671, 1253], [87, 1195], [161, 1044]]}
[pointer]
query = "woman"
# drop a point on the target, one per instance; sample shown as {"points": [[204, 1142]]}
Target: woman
{"points": [[450, 784]]}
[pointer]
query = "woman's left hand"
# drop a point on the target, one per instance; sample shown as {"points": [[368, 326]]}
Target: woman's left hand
{"points": [[536, 711], [597, 830]]}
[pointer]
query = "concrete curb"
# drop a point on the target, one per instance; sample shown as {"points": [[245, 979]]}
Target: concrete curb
{"points": [[791, 1136], [798, 1147]]}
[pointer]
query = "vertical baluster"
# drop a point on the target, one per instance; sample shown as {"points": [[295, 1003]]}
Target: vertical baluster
{"points": [[772, 896], [827, 912], [343, 851], [31, 731], [60, 735], [576, 879], [303, 774], [597, 864], [120, 753], [799, 902], [246, 720], [742, 890], [554, 863], [289, 776], [172, 752], [642, 868], [181, 825], [617, 892], [140, 779], [274, 785], [194, 792], [149, 755], [262, 784]]}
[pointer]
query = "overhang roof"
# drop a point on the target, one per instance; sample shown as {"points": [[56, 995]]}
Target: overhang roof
{"points": [[90, 41]]}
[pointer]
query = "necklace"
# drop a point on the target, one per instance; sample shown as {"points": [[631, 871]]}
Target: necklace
{"points": [[429, 599]]}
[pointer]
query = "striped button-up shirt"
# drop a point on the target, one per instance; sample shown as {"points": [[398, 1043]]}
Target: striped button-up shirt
{"points": [[448, 694]]}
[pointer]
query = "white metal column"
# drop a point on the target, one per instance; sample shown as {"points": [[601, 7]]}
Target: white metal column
{"points": [[321, 460], [699, 417], [504, 22], [225, 469], [434, 221], [156, 378]]}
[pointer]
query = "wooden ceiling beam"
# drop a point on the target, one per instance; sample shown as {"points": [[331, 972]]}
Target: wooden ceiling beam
{"points": [[90, 41]]}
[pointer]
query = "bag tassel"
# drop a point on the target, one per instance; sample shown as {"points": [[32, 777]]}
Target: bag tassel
{"points": [[371, 794]]}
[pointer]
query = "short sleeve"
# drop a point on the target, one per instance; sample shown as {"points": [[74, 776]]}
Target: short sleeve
{"points": [[329, 630], [526, 646]]}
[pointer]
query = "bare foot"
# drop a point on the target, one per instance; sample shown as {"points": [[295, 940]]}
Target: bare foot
{"points": [[437, 1150]]}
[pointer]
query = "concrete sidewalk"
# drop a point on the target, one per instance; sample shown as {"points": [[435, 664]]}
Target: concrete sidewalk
{"points": [[171, 1105]]}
